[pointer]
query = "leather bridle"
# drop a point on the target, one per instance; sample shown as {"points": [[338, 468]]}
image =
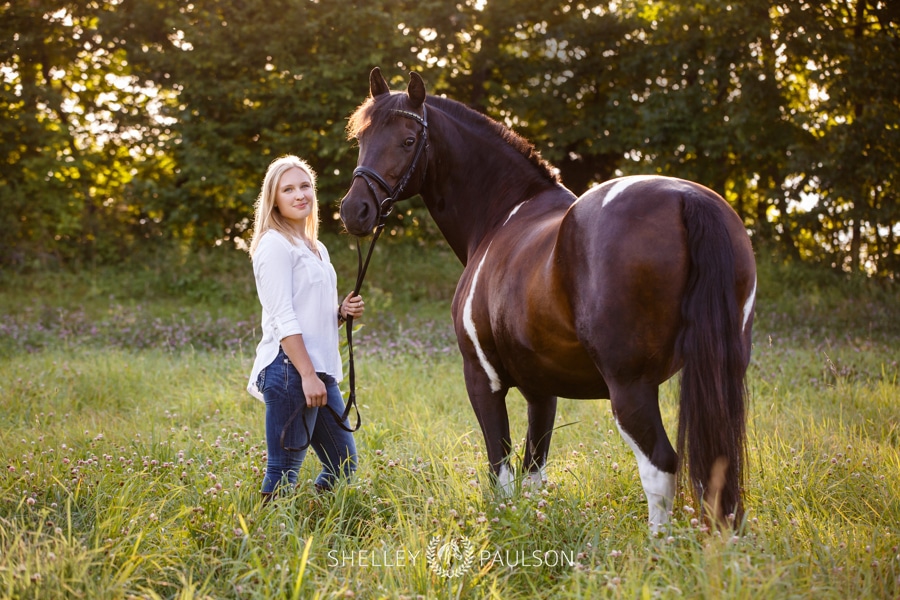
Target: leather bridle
{"points": [[371, 177]]}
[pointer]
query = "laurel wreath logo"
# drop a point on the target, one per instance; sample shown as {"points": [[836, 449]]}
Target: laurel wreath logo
{"points": [[450, 559]]}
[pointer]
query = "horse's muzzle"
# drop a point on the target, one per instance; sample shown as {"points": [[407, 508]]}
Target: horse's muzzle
{"points": [[358, 211]]}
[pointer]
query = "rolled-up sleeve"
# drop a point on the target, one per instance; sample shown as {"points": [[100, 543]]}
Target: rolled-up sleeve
{"points": [[273, 269]]}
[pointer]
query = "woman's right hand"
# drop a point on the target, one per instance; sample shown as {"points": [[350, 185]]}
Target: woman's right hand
{"points": [[313, 388], [314, 391]]}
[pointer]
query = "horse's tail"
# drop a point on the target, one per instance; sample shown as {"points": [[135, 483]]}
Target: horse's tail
{"points": [[712, 419]]}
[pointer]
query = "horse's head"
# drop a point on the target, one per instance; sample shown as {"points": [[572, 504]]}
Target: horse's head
{"points": [[392, 132]]}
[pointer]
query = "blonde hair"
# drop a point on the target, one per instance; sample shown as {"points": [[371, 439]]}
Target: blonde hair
{"points": [[265, 215]]}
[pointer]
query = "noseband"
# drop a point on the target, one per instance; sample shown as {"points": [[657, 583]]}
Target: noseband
{"points": [[371, 177]]}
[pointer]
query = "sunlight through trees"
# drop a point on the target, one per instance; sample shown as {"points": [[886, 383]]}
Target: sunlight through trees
{"points": [[129, 122]]}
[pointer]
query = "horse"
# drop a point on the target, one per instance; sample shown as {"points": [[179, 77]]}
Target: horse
{"points": [[606, 295]]}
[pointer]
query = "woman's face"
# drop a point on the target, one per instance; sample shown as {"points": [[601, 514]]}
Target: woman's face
{"points": [[294, 196]]}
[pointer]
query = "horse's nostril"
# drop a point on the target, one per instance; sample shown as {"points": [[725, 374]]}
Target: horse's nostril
{"points": [[357, 215]]}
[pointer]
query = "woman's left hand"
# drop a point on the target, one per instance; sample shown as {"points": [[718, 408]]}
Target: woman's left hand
{"points": [[352, 306]]}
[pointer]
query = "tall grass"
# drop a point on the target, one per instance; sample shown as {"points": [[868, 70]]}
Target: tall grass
{"points": [[132, 464]]}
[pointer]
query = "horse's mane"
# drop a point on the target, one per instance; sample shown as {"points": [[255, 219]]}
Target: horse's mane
{"points": [[376, 113]]}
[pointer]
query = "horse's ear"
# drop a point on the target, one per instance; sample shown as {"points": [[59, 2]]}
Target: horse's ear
{"points": [[377, 85], [416, 89]]}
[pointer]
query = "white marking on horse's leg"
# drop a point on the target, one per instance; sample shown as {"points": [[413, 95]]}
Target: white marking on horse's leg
{"points": [[514, 211], [659, 486], [469, 325], [505, 480], [748, 306], [535, 479], [622, 184]]}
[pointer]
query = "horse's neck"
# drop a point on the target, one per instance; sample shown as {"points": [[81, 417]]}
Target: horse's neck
{"points": [[474, 184], [449, 217]]}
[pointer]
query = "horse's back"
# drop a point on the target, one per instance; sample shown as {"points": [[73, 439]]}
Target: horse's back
{"points": [[625, 262]]}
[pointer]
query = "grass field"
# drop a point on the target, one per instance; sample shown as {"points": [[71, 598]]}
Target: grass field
{"points": [[132, 454]]}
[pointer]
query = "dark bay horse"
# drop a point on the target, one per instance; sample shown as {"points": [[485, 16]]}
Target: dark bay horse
{"points": [[606, 295]]}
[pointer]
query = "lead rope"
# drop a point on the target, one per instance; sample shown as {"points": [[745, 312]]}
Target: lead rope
{"points": [[351, 369], [385, 209]]}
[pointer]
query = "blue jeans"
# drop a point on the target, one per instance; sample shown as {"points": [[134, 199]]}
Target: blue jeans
{"points": [[282, 391]]}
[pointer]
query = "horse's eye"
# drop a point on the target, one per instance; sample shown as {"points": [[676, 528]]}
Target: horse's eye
{"points": [[409, 141]]}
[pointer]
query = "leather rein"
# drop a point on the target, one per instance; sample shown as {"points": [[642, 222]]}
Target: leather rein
{"points": [[386, 207]]}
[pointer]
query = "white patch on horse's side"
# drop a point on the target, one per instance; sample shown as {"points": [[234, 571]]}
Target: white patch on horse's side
{"points": [[748, 306], [514, 211], [505, 480], [469, 325], [659, 486], [620, 185]]}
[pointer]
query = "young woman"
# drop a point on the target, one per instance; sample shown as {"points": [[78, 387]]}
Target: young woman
{"points": [[298, 362]]}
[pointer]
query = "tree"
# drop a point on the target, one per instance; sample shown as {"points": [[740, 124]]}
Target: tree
{"points": [[65, 159], [155, 119], [846, 55], [243, 90]]}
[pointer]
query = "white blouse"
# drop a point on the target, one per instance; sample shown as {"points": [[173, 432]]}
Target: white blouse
{"points": [[298, 293]]}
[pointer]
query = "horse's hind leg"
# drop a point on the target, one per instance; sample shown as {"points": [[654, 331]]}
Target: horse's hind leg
{"points": [[541, 416], [636, 409]]}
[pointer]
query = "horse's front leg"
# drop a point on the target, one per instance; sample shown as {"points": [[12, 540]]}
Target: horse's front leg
{"points": [[541, 416], [490, 409]]}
